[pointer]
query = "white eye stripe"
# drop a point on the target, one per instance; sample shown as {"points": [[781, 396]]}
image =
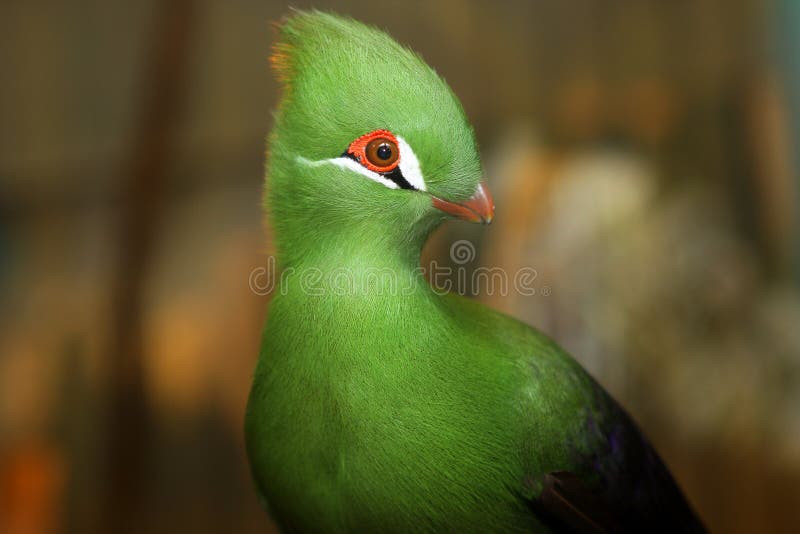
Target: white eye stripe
{"points": [[350, 164], [409, 167]]}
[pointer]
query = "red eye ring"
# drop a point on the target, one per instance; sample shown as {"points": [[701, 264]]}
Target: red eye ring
{"points": [[378, 151]]}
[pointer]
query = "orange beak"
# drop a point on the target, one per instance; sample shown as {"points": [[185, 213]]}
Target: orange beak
{"points": [[479, 208]]}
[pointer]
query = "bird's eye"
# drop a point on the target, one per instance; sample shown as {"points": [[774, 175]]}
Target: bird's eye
{"points": [[382, 152], [378, 151]]}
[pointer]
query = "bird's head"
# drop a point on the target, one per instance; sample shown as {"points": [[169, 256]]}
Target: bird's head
{"points": [[367, 138]]}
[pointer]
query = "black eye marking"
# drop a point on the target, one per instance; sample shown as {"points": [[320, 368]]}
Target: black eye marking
{"points": [[397, 177], [394, 175]]}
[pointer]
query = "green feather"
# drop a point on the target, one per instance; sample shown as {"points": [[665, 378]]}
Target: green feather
{"points": [[378, 404]]}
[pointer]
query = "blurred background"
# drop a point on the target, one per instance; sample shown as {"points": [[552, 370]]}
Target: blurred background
{"points": [[644, 160]]}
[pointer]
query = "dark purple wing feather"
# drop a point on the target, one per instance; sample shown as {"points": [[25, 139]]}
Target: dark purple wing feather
{"points": [[622, 487]]}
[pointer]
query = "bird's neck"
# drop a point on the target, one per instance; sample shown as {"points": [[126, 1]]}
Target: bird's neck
{"points": [[360, 262]]}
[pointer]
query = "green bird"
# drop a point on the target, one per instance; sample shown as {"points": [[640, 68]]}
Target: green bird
{"points": [[379, 404]]}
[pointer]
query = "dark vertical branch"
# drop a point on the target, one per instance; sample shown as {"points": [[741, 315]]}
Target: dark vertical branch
{"points": [[144, 184]]}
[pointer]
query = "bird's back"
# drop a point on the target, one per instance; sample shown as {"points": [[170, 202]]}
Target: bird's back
{"points": [[587, 465]]}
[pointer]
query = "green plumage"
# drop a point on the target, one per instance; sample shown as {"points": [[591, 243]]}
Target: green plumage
{"points": [[378, 404]]}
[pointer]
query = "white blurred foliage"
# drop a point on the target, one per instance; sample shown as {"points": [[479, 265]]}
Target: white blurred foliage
{"points": [[653, 291]]}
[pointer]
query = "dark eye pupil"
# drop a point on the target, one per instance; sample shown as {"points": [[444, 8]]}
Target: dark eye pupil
{"points": [[384, 152]]}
